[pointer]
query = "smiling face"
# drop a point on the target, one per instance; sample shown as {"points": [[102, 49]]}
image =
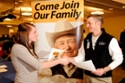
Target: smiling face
{"points": [[67, 43], [92, 24]]}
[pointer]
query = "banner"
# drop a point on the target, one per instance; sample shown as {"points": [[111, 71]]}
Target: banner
{"points": [[52, 11], [59, 25], [47, 13]]}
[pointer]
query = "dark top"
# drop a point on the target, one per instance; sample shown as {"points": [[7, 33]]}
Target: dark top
{"points": [[58, 69], [100, 56], [122, 40]]}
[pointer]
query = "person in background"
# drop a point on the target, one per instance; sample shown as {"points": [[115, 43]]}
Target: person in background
{"points": [[103, 49], [24, 58], [122, 45], [64, 38], [2, 37], [6, 47]]}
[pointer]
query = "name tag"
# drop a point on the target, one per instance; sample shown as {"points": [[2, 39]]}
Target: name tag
{"points": [[102, 43], [88, 44]]}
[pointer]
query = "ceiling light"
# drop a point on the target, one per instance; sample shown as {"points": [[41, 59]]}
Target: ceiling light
{"points": [[110, 8], [15, 3], [26, 14], [29, 9], [20, 0], [123, 6], [9, 25], [97, 12], [92, 8], [7, 19]]}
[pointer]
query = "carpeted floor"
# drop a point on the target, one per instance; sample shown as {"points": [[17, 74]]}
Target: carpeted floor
{"points": [[118, 74]]}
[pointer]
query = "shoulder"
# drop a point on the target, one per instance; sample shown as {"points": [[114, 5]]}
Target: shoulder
{"points": [[114, 40], [88, 36], [109, 35], [18, 47]]}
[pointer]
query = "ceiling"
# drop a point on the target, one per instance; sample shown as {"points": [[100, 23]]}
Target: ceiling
{"points": [[109, 7]]}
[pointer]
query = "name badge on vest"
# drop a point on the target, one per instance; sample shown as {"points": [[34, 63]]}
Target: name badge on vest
{"points": [[88, 44], [102, 43]]}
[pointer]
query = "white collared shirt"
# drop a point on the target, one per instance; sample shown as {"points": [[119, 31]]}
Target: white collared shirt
{"points": [[114, 51]]}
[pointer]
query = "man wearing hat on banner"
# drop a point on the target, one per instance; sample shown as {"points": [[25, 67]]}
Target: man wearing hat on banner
{"points": [[65, 37]]}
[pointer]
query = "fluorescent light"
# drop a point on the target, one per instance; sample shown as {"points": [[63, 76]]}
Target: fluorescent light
{"points": [[97, 12], [26, 9], [26, 13], [9, 25]]}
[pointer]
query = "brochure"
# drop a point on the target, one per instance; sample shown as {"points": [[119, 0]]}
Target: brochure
{"points": [[87, 65]]}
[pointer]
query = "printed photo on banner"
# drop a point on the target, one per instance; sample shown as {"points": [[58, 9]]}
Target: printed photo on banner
{"points": [[59, 26]]}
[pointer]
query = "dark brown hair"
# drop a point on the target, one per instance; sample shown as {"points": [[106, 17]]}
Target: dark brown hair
{"points": [[97, 17], [22, 36]]}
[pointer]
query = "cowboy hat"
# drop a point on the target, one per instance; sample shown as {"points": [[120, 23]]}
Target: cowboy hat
{"points": [[62, 27]]}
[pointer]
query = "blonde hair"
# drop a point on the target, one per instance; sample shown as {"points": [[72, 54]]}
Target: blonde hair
{"points": [[97, 17]]}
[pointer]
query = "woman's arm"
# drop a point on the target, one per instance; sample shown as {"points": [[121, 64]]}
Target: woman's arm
{"points": [[48, 64]]}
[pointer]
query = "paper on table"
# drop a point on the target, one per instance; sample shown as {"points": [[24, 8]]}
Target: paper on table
{"points": [[3, 66], [87, 65], [3, 70]]}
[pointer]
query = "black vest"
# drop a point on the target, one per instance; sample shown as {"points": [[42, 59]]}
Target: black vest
{"points": [[58, 69], [100, 55]]}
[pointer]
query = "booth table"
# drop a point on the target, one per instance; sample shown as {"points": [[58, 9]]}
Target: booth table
{"points": [[8, 76]]}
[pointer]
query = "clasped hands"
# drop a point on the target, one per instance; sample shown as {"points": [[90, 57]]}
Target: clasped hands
{"points": [[99, 72], [65, 60]]}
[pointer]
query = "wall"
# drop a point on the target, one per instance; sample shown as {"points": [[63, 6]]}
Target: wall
{"points": [[12, 30], [4, 30], [114, 25]]}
